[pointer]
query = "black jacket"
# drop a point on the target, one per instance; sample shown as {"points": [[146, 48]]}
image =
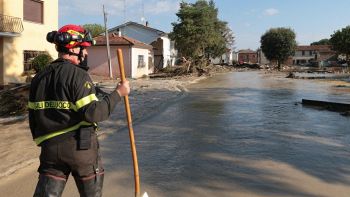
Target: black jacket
{"points": [[62, 99]]}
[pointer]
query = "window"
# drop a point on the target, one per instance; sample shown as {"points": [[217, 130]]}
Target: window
{"points": [[310, 53], [302, 53], [33, 10], [141, 62], [28, 57]]}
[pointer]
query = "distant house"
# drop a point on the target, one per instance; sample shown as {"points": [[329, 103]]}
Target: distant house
{"points": [[313, 53], [262, 58], [247, 56], [23, 28], [138, 56], [225, 58], [163, 47]]}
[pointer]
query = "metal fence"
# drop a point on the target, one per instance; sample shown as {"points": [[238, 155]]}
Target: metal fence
{"points": [[10, 24]]}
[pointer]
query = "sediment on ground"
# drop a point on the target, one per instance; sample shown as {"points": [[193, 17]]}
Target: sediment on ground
{"points": [[147, 97]]}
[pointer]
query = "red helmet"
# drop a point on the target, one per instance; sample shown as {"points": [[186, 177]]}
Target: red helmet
{"points": [[71, 36]]}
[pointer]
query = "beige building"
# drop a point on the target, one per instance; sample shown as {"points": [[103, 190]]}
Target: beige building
{"points": [[318, 54], [23, 28]]}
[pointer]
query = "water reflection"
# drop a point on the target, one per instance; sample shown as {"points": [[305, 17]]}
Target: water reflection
{"points": [[242, 134]]}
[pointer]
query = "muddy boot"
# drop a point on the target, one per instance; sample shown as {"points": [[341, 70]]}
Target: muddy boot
{"points": [[91, 187], [49, 186]]}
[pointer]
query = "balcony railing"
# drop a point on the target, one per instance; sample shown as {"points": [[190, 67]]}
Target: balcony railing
{"points": [[10, 24]]}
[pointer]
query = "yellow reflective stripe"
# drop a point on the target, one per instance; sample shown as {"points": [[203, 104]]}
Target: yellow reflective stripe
{"points": [[56, 133], [51, 105], [86, 100]]}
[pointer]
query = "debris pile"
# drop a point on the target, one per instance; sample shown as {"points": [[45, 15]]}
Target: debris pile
{"points": [[14, 100], [12, 104]]}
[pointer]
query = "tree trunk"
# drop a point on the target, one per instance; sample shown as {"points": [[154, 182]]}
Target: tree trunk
{"points": [[188, 67], [348, 62], [279, 65]]}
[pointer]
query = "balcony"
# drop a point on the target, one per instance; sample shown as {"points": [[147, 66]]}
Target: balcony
{"points": [[10, 26]]}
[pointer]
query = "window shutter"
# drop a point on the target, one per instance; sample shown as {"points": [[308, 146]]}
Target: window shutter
{"points": [[33, 10]]}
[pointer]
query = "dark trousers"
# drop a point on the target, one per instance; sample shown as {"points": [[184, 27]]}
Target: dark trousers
{"points": [[62, 157]]}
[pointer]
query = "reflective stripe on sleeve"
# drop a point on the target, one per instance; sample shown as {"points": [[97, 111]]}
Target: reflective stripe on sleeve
{"points": [[56, 133], [85, 101], [51, 105]]}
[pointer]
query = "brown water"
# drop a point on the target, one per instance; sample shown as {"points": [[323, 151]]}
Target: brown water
{"points": [[238, 134]]}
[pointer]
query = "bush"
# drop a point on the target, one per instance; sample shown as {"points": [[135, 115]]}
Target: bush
{"points": [[40, 61], [234, 62]]}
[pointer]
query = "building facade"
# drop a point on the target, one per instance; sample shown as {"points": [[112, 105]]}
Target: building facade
{"points": [[23, 28], [225, 58], [164, 49], [317, 54], [247, 56], [137, 56]]}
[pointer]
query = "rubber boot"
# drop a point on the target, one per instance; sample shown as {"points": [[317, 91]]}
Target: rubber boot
{"points": [[49, 186], [90, 187]]}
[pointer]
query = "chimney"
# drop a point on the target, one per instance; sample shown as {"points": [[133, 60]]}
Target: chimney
{"points": [[119, 32]]}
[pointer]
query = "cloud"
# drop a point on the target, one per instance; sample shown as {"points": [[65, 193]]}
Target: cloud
{"points": [[271, 12], [159, 7]]}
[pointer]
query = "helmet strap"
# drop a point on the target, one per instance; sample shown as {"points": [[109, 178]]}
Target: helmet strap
{"points": [[83, 62], [80, 55], [63, 49]]}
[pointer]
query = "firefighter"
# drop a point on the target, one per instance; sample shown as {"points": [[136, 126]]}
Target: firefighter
{"points": [[63, 113]]}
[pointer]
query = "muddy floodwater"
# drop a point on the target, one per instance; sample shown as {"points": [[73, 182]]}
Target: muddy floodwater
{"points": [[238, 134]]}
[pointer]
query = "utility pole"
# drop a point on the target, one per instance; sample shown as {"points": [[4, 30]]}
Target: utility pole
{"points": [[107, 44]]}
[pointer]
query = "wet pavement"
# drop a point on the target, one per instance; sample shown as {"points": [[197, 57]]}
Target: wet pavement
{"points": [[238, 134]]}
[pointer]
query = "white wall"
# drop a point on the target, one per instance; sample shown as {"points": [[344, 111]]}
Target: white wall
{"points": [[299, 56], [306, 54], [137, 72], [227, 57], [150, 63], [168, 59]]}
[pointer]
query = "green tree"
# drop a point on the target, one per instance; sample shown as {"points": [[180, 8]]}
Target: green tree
{"points": [[278, 44], [199, 33], [225, 40], [321, 42], [95, 29], [229, 37], [340, 41], [41, 61]]}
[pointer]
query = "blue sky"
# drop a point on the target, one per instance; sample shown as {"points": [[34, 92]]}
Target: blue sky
{"points": [[311, 20]]}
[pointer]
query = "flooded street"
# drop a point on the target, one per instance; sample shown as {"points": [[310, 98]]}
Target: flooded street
{"points": [[238, 134]]}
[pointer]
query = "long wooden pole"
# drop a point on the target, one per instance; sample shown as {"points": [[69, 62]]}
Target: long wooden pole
{"points": [[131, 130]]}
